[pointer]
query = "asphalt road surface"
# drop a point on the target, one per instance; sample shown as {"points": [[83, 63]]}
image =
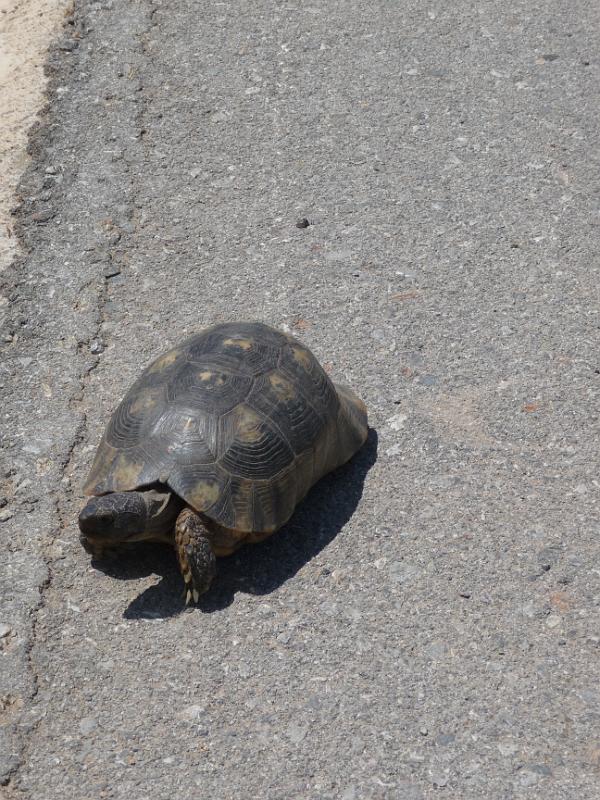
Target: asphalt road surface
{"points": [[427, 625]]}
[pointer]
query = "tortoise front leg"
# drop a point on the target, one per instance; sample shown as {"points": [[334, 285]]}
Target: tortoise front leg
{"points": [[195, 554]]}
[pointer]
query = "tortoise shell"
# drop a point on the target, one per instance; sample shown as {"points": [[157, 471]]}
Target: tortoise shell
{"points": [[239, 420]]}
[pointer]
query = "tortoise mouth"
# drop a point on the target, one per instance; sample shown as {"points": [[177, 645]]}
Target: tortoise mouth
{"points": [[94, 523]]}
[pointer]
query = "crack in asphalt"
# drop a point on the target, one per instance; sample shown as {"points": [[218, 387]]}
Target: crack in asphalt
{"points": [[104, 290], [14, 279]]}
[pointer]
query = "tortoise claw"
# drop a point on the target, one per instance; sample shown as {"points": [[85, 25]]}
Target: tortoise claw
{"points": [[191, 594]]}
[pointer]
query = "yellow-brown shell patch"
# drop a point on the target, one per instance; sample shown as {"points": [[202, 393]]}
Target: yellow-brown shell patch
{"points": [[99, 468], [146, 399], [360, 405], [244, 344], [302, 357], [248, 424], [204, 494], [214, 378], [125, 472], [282, 387], [165, 361], [243, 503]]}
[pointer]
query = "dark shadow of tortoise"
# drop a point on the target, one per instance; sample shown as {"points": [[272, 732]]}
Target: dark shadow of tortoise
{"points": [[256, 569]]}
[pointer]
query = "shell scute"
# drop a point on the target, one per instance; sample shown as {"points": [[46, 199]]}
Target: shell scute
{"points": [[239, 351], [299, 365], [278, 398], [256, 450]]}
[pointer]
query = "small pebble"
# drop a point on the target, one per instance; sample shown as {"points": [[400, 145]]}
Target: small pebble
{"points": [[96, 346], [439, 778], [296, 732], [87, 725], [302, 223], [549, 556], [4, 629], [192, 713], [244, 670], [465, 593], [43, 216], [396, 422], [5, 514], [539, 769]]}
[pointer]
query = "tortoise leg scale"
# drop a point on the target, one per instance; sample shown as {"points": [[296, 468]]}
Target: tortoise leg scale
{"points": [[195, 554]]}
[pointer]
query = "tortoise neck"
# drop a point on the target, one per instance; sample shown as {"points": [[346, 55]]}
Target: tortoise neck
{"points": [[162, 509]]}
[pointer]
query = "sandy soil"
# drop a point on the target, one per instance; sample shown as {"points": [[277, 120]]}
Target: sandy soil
{"points": [[26, 29]]}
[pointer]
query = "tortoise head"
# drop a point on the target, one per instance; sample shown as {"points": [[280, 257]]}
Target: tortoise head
{"points": [[121, 517]]}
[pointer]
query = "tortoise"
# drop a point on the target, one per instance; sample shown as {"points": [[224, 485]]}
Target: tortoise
{"points": [[214, 446]]}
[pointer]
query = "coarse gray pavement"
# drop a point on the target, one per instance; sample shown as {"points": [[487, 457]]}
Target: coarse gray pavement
{"points": [[427, 624]]}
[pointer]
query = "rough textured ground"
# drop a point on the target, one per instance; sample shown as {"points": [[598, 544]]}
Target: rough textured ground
{"points": [[26, 26], [427, 624]]}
